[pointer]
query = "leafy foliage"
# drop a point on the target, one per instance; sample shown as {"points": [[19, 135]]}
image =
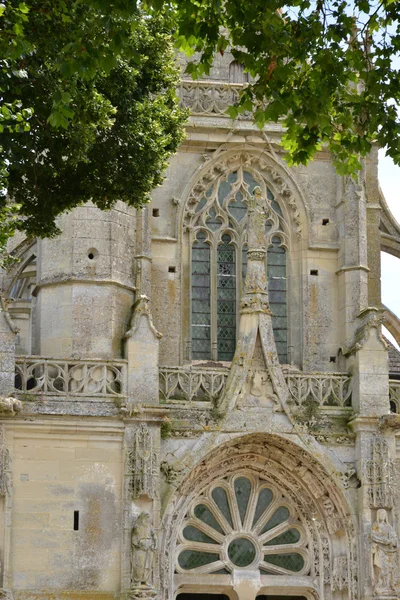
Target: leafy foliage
{"points": [[89, 110], [326, 69], [87, 88]]}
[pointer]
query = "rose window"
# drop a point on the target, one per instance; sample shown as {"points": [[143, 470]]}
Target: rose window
{"points": [[242, 522]]}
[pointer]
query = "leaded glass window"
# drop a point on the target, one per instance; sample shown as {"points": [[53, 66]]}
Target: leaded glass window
{"points": [[218, 233], [242, 522]]}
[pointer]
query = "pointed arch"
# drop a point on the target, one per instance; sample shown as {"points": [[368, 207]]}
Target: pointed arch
{"points": [[215, 206], [314, 511]]}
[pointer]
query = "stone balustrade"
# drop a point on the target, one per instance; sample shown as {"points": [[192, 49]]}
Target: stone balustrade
{"points": [[38, 375], [324, 389], [192, 384], [45, 376], [209, 97]]}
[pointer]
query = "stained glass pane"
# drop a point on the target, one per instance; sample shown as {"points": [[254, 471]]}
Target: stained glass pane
{"points": [[276, 264], [223, 191], [195, 535], [242, 491], [251, 182], [190, 559], [221, 500], [226, 299], [292, 562], [264, 500], [201, 312], [203, 513], [289, 537], [279, 516], [201, 204], [213, 222], [241, 552], [237, 207]]}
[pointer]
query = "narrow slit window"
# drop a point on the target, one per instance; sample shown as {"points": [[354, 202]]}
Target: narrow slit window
{"points": [[76, 520]]}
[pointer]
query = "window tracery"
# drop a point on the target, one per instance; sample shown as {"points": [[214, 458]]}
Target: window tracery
{"points": [[241, 521], [217, 226]]}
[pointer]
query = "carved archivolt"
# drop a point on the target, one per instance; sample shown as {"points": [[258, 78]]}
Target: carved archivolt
{"points": [[321, 529]]}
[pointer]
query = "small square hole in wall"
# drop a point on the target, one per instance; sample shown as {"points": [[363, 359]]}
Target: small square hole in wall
{"points": [[156, 212], [313, 272], [325, 221], [171, 269], [332, 359]]}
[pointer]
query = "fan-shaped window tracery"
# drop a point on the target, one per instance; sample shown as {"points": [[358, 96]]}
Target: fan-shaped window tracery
{"points": [[217, 226], [239, 522]]}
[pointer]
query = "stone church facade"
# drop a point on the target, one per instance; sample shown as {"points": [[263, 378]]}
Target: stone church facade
{"points": [[196, 398]]}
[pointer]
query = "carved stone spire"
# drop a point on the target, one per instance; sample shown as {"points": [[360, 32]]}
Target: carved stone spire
{"points": [[256, 378]]}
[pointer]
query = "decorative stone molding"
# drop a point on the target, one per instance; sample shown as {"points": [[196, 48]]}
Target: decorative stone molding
{"points": [[10, 406], [340, 573], [142, 464], [5, 466], [380, 476], [142, 308], [370, 318], [171, 472]]}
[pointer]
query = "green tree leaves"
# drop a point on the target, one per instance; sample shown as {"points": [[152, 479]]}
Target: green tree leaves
{"points": [[88, 106]]}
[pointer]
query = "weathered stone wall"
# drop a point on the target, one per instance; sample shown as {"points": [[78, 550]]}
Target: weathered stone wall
{"points": [[57, 469], [85, 286]]}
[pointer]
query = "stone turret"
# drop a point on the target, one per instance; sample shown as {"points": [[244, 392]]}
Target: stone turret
{"points": [[85, 286]]}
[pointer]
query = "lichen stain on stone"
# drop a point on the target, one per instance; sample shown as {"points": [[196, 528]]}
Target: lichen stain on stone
{"points": [[98, 533], [171, 292]]}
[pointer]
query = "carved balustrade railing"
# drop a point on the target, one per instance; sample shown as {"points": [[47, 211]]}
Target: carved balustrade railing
{"points": [[209, 97], [191, 384], [38, 375], [394, 395], [203, 384], [324, 389]]}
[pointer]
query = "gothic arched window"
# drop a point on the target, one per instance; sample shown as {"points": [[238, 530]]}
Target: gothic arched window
{"points": [[218, 240]]}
